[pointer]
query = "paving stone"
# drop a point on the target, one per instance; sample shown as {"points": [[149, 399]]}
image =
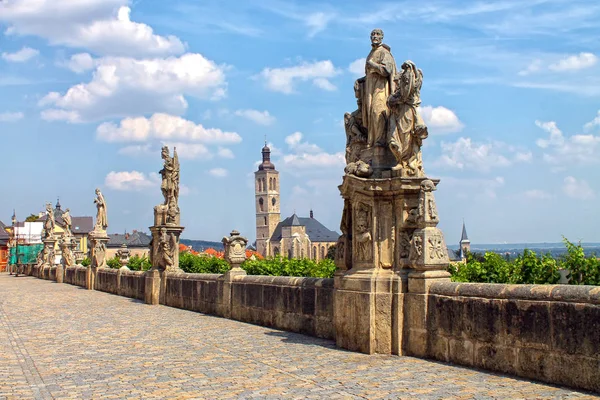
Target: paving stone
{"points": [[59, 341]]}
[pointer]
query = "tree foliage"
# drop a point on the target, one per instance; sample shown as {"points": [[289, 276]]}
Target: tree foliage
{"points": [[529, 268], [279, 266], [32, 218]]}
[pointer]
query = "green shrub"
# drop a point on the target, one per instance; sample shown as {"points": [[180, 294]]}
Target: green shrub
{"points": [[114, 263], [137, 263], [280, 266], [86, 262], [583, 270], [201, 264]]}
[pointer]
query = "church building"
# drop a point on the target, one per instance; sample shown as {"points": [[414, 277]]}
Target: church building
{"points": [[294, 237]]}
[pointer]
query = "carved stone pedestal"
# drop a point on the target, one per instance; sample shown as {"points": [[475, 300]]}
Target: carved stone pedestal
{"points": [[164, 248], [48, 257], [97, 241], [390, 249]]}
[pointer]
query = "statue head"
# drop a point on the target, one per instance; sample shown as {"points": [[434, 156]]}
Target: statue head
{"points": [[376, 37], [97, 190], [164, 152], [67, 210]]}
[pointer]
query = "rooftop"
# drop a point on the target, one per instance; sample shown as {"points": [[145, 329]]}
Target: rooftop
{"points": [[316, 231]]}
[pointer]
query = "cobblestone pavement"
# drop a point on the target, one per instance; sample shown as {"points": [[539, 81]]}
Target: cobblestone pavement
{"points": [[61, 341]]}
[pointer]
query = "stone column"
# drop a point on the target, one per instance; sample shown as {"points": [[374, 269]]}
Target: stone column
{"points": [[97, 240], [393, 250], [235, 255]]}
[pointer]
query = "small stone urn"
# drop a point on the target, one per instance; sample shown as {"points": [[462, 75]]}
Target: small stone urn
{"points": [[235, 250], [124, 253]]}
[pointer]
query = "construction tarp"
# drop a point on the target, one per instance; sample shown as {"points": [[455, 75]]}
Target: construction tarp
{"points": [[25, 254]]}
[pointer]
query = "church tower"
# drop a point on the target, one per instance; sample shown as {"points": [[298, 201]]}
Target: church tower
{"points": [[268, 213], [465, 243]]}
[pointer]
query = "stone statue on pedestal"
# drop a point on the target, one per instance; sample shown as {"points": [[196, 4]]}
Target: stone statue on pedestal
{"points": [[68, 222], [101, 217], [390, 249], [164, 246], [49, 223]]}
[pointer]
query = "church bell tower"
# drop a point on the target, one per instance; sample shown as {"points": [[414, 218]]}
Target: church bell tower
{"points": [[268, 212]]}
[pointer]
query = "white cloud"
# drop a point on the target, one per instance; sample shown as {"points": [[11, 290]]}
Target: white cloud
{"points": [[260, 117], [593, 123], [224, 152], [317, 22], [25, 54], [556, 136], [130, 181], [54, 114], [306, 155], [577, 189], [163, 127], [561, 150], [125, 86], [190, 150], [101, 26], [466, 154], [218, 172], [357, 67], [80, 63], [574, 63], [284, 79], [537, 194], [11, 116], [534, 66], [440, 120]]}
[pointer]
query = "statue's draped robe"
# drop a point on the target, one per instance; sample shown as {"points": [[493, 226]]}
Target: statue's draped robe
{"points": [[379, 84], [406, 127], [101, 219]]}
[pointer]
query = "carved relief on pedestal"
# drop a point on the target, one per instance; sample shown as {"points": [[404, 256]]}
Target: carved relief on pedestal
{"points": [[412, 212], [98, 254], [405, 244], [416, 247], [427, 201], [166, 249], [67, 252], [436, 248], [362, 233]]}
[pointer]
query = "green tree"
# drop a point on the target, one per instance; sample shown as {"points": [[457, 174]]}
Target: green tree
{"points": [[32, 218], [331, 252]]}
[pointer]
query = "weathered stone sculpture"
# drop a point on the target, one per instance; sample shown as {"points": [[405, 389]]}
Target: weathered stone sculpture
{"points": [[164, 247], [98, 237], [390, 249], [123, 254], [101, 217], [47, 259], [49, 224], [66, 246], [235, 250], [68, 222]]}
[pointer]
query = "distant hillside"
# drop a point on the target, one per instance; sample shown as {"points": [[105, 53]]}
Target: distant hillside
{"points": [[201, 245], [513, 249]]}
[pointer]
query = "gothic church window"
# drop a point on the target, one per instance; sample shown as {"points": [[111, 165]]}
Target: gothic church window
{"points": [[261, 204]]}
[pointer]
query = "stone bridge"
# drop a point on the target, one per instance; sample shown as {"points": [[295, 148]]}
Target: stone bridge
{"points": [[62, 341]]}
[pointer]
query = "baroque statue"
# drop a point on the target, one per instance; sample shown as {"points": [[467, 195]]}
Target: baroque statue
{"points": [[68, 222], [380, 71], [49, 223], [166, 249], [170, 185], [101, 219], [406, 127]]}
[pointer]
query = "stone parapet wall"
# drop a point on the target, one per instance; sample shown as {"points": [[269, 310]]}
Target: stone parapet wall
{"points": [[293, 304], [545, 332], [76, 276]]}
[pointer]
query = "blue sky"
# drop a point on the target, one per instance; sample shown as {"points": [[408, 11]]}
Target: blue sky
{"points": [[90, 90]]}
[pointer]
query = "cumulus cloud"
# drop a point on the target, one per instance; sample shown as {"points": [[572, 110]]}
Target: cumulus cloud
{"points": [[574, 63], [357, 67], [467, 154], [130, 180], [190, 150], [163, 127], [123, 86], [218, 172], [25, 54], [283, 80], [577, 189], [561, 150], [441, 120], [535, 66], [304, 155], [593, 123], [101, 26], [259, 117], [80, 63], [11, 116]]}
